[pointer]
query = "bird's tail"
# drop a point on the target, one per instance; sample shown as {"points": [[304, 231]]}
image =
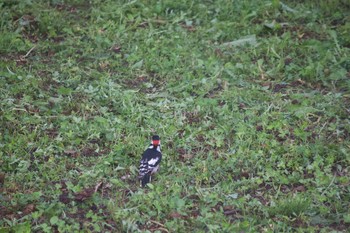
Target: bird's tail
{"points": [[145, 179]]}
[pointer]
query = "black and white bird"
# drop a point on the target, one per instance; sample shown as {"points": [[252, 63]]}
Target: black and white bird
{"points": [[149, 163]]}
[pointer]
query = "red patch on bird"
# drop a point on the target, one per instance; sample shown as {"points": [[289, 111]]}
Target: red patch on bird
{"points": [[155, 142]]}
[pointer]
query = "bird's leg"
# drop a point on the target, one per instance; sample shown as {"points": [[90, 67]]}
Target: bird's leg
{"points": [[150, 179]]}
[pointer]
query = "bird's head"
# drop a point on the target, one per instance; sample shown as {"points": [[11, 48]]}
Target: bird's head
{"points": [[155, 140]]}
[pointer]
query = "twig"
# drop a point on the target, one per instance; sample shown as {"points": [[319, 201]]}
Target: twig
{"points": [[163, 229], [322, 127], [19, 109], [314, 115], [27, 54], [159, 21], [261, 72], [330, 184], [158, 223], [98, 186], [268, 109]]}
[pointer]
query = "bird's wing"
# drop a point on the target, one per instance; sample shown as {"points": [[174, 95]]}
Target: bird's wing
{"points": [[152, 162]]}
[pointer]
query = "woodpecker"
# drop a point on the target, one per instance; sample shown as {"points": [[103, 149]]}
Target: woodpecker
{"points": [[150, 160]]}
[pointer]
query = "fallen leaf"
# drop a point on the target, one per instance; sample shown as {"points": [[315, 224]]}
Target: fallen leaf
{"points": [[29, 209], [70, 152], [300, 188], [64, 198], [83, 195], [175, 215]]}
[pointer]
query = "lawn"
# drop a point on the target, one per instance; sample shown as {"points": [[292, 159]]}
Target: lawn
{"points": [[251, 100]]}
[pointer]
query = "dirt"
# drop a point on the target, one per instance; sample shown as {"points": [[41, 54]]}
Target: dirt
{"points": [[288, 136], [52, 133], [192, 117], [293, 188], [229, 211], [181, 133], [242, 106], [17, 212], [88, 152], [141, 81], [259, 128], [215, 92], [189, 28], [84, 194], [279, 87], [260, 198]]}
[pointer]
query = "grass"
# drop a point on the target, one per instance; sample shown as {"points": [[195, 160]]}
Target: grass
{"points": [[251, 100]]}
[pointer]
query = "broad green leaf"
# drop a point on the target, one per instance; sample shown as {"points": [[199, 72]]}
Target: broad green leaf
{"points": [[54, 220]]}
